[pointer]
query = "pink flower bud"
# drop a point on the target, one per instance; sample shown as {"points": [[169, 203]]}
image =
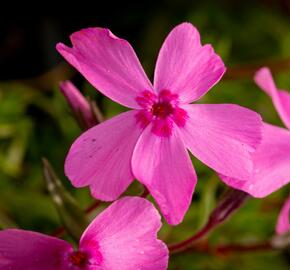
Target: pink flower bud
{"points": [[79, 105]]}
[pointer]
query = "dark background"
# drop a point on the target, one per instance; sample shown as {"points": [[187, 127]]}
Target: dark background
{"points": [[28, 38]]}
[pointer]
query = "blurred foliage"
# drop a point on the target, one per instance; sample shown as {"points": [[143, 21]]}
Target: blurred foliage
{"points": [[72, 216], [35, 122]]}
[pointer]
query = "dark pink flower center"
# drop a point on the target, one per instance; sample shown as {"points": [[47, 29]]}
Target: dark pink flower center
{"points": [[162, 110], [78, 258]]}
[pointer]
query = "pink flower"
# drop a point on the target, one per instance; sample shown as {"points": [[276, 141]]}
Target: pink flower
{"points": [[122, 237], [283, 224], [272, 158], [150, 142], [78, 104]]}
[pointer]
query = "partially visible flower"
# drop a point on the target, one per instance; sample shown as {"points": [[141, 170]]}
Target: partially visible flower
{"points": [[80, 106], [150, 142], [272, 158], [280, 98], [283, 223], [122, 237]]}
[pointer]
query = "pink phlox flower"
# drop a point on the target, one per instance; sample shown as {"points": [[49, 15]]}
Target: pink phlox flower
{"points": [[272, 158], [150, 142], [122, 237], [283, 223]]}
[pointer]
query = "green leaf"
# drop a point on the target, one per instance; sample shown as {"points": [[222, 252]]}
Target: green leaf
{"points": [[72, 216]]}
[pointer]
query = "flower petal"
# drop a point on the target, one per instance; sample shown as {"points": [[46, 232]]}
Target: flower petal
{"points": [[185, 67], [280, 98], [28, 250], [283, 223], [108, 63], [101, 157], [126, 235], [164, 166], [223, 136], [271, 164]]}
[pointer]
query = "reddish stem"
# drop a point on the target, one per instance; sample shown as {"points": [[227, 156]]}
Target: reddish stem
{"points": [[92, 207], [183, 245], [229, 203], [229, 249], [145, 193], [59, 232], [226, 249]]}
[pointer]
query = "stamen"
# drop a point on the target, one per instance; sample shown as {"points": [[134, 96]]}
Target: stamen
{"points": [[78, 258], [162, 109]]}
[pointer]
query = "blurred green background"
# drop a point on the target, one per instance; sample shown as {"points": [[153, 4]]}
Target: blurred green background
{"points": [[35, 120]]}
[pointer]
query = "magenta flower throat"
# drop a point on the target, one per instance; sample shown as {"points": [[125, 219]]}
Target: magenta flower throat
{"points": [[78, 258], [162, 111]]}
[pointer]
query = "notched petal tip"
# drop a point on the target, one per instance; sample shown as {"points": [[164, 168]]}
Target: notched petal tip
{"points": [[185, 66], [233, 132], [187, 27], [101, 157], [91, 32], [133, 230], [171, 186], [108, 63], [61, 47], [105, 197], [271, 164]]}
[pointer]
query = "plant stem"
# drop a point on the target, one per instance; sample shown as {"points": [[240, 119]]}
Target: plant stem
{"points": [[223, 250], [144, 193], [92, 207], [230, 202], [227, 249], [59, 232], [183, 245]]}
